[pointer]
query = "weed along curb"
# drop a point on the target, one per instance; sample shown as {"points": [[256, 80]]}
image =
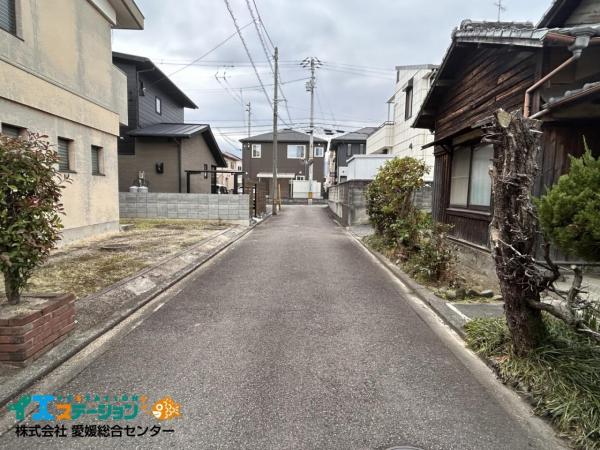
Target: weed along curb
{"points": [[130, 295], [439, 306]]}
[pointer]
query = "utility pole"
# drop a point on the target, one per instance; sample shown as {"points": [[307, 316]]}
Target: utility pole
{"points": [[501, 9], [275, 144], [249, 111], [312, 63]]}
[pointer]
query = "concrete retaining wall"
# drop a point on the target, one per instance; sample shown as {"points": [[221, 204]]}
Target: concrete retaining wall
{"points": [[347, 201], [225, 208]]}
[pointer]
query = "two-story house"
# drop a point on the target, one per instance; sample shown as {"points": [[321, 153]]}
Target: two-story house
{"points": [[396, 136], [156, 145], [292, 159], [227, 176], [57, 78], [343, 148]]}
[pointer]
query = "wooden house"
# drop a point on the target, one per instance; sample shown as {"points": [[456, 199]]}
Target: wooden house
{"points": [[550, 71]]}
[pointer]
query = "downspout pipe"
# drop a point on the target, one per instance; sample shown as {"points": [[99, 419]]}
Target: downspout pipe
{"points": [[582, 41]]}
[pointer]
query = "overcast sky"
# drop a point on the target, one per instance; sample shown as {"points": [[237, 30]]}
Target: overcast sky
{"points": [[358, 41]]}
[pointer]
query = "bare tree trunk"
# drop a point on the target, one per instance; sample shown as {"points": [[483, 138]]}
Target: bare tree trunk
{"points": [[12, 293], [513, 229]]}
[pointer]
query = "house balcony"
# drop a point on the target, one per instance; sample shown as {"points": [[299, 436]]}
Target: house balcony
{"points": [[382, 141]]}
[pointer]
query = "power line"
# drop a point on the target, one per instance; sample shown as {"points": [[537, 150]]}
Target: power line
{"points": [[231, 94], [262, 24], [245, 88], [204, 55], [264, 47], [239, 33]]}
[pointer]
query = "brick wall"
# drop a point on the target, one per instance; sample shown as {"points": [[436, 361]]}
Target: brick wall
{"points": [[226, 208], [30, 329]]}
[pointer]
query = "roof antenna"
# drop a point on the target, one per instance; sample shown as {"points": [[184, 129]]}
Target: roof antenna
{"points": [[501, 9]]}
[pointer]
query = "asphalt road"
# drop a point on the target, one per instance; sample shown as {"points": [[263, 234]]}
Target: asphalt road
{"points": [[295, 339]]}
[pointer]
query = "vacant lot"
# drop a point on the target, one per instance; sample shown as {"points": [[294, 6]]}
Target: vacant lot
{"points": [[90, 266]]}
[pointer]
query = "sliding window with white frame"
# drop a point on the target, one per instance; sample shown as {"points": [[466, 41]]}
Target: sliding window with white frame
{"points": [[296, 151], [470, 182]]}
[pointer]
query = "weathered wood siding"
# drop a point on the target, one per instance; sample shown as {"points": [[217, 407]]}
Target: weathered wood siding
{"points": [[490, 78], [587, 12], [559, 141]]}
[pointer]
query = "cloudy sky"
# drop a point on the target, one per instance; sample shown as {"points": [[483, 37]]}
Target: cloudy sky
{"points": [[359, 42]]}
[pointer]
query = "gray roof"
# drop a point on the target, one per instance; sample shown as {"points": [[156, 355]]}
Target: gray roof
{"points": [[358, 135], [285, 135], [417, 67], [231, 156], [513, 33], [522, 34], [183, 130], [587, 89], [156, 75], [174, 130]]}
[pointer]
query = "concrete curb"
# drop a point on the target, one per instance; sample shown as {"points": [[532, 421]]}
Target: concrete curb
{"points": [[456, 322], [76, 342], [454, 319]]}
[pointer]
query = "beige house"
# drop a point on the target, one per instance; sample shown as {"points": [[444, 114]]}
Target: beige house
{"points": [[57, 78], [396, 136], [234, 163]]}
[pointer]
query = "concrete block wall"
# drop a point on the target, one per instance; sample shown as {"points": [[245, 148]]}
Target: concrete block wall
{"points": [[424, 197], [347, 201], [153, 205]]}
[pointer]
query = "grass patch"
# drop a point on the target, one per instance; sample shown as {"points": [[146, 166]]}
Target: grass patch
{"points": [[87, 275], [173, 224], [562, 377], [86, 267]]}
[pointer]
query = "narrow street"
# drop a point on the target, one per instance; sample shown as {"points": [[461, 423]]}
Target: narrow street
{"points": [[296, 339]]}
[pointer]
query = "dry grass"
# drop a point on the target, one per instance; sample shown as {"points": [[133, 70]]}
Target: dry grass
{"points": [[85, 268], [562, 376]]}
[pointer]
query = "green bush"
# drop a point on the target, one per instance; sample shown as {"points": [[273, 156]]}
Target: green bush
{"points": [[30, 192], [569, 212], [390, 199], [433, 256], [408, 233], [562, 376]]}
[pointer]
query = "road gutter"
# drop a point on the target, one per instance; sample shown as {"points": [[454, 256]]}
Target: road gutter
{"points": [[448, 327]]}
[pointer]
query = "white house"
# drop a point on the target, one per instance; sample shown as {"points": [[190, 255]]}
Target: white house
{"points": [[396, 136]]}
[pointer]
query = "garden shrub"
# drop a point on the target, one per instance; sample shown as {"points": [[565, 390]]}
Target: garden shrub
{"points": [[569, 212], [30, 208], [408, 232]]}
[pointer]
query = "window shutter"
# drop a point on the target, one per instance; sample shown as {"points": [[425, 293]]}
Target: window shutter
{"points": [[95, 160], [8, 16], [63, 155]]}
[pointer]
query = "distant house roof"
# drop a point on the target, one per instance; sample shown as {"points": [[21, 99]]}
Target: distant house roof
{"points": [[283, 136], [358, 135], [231, 156], [156, 76], [417, 67], [183, 131]]}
